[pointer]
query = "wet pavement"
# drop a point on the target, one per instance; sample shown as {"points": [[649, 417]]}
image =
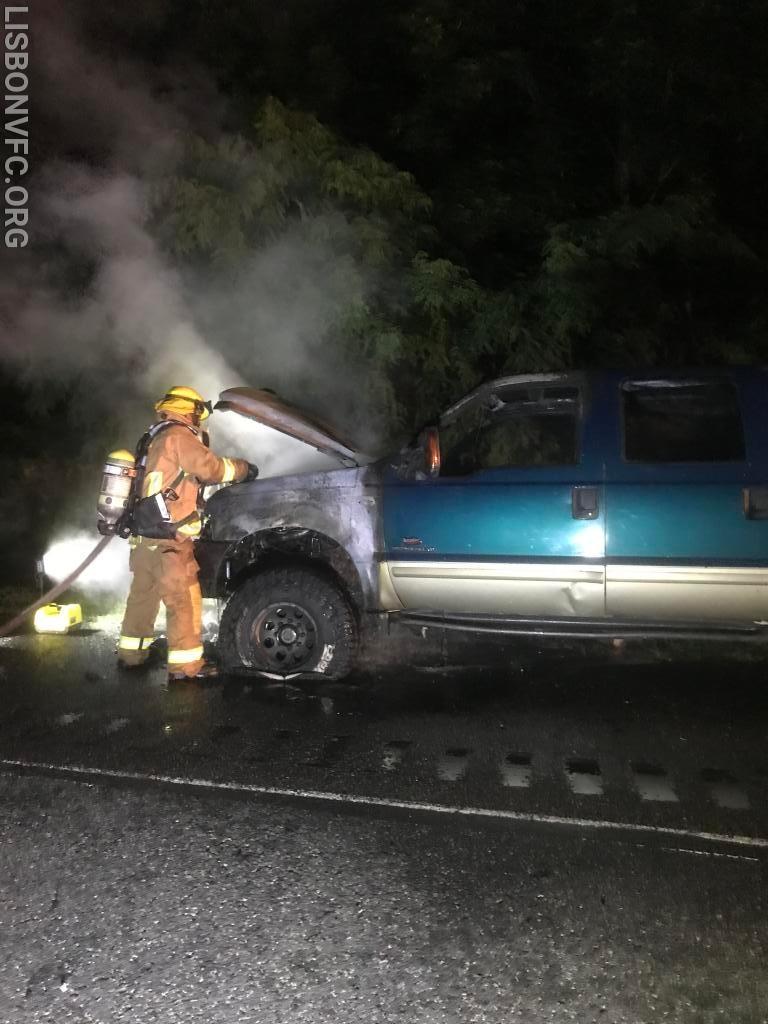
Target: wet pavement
{"points": [[574, 833], [583, 733]]}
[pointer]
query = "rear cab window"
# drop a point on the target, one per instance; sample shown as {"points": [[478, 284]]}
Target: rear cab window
{"points": [[685, 420]]}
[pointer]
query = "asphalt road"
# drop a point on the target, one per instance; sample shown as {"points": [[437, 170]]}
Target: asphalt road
{"points": [[574, 834]]}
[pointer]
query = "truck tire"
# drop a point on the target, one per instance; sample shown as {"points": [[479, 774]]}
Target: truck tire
{"points": [[289, 621]]}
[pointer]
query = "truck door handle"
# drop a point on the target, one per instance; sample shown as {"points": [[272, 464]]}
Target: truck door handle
{"points": [[585, 503], [755, 502]]}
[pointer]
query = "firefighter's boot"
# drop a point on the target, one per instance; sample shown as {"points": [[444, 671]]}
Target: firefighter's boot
{"points": [[207, 671]]}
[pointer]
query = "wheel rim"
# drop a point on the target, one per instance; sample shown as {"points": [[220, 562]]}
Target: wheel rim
{"points": [[285, 635]]}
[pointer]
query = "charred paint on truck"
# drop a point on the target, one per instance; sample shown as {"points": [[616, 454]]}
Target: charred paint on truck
{"points": [[577, 504]]}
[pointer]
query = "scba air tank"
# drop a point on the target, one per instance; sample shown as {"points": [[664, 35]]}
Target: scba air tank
{"points": [[119, 471]]}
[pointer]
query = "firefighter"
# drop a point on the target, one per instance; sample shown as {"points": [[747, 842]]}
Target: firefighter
{"points": [[179, 463]]}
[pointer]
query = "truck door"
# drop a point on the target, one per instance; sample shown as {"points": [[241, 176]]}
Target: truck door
{"points": [[685, 538], [514, 523]]}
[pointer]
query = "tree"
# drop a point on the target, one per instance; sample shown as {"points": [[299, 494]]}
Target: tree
{"points": [[403, 316]]}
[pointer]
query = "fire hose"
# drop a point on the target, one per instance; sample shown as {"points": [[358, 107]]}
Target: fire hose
{"points": [[54, 592], [14, 623]]}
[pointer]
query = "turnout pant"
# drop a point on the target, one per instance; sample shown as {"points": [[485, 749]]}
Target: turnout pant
{"points": [[164, 570]]}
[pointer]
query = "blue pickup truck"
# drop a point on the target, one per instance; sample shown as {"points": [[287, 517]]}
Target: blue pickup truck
{"points": [[597, 504]]}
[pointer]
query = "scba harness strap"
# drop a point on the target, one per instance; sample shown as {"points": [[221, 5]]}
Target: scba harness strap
{"points": [[149, 517]]}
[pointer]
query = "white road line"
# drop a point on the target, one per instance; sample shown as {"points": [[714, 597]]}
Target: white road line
{"points": [[584, 779], [452, 766], [516, 773], [654, 785], [115, 725], [730, 795], [394, 752], [69, 718], [329, 798], [709, 853]]}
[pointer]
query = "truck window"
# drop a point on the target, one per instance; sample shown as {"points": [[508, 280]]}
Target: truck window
{"points": [[518, 427], [682, 421]]}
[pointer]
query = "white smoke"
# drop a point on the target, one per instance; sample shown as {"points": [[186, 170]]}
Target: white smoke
{"points": [[109, 572], [136, 306]]}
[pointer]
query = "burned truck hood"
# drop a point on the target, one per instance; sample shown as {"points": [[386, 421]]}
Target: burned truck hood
{"points": [[267, 408]]}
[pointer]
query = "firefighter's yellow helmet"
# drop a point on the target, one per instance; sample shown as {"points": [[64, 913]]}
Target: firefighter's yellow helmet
{"points": [[184, 400]]}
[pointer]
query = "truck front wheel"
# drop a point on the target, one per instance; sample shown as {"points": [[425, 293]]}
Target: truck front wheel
{"points": [[289, 621]]}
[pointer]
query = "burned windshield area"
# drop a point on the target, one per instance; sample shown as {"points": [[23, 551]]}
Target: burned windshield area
{"points": [[682, 421], [516, 427]]}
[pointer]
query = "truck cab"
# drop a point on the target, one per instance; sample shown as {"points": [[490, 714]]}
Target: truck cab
{"points": [[600, 504]]}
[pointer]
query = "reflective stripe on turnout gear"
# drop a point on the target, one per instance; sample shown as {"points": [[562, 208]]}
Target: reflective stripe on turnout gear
{"points": [[145, 542], [135, 643], [191, 529], [183, 657], [153, 484], [230, 471]]}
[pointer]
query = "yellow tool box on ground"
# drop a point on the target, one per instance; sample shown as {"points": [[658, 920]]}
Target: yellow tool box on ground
{"points": [[58, 618]]}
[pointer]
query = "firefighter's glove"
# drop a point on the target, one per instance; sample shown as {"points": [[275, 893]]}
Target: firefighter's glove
{"points": [[253, 472]]}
